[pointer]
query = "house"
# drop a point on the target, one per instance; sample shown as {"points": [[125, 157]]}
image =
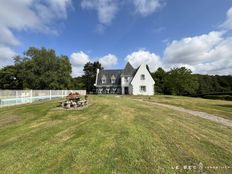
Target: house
{"points": [[125, 81]]}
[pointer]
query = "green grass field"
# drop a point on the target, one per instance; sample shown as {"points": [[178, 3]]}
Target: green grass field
{"points": [[217, 107], [112, 135]]}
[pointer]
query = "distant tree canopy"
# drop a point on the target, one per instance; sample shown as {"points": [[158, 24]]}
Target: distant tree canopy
{"points": [[159, 78], [181, 81], [37, 69]]}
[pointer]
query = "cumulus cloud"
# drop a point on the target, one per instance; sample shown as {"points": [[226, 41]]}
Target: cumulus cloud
{"points": [[108, 60], [192, 49], [208, 53], [106, 9], [35, 15], [146, 7], [78, 60], [228, 23], [142, 56]]}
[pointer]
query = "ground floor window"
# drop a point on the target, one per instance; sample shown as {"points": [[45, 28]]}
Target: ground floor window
{"points": [[108, 90], [143, 88]]}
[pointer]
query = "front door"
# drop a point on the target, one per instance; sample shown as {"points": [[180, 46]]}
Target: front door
{"points": [[126, 90]]}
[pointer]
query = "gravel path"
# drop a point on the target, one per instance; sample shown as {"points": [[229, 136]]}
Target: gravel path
{"points": [[204, 115]]}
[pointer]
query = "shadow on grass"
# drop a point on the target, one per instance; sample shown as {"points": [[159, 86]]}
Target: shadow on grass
{"points": [[169, 97], [225, 106]]}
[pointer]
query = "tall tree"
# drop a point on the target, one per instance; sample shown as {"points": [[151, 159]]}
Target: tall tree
{"points": [[9, 78], [180, 81], [159, 78], [38, 69], [78, 83], [90, 70]]}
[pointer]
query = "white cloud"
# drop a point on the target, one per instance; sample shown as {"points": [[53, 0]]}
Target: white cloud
{"points": [[5, 54], [146, 7], [35, 15], [228, 23], [31, 14], [78, 60], [209, 53], [7, 37], [59, 7], [141, 56], [108, 61], [192, 49], [106, 9]]}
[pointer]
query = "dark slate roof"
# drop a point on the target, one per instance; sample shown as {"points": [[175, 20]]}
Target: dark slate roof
{"points": [[128, 70], [108, 74], [148, 69]]}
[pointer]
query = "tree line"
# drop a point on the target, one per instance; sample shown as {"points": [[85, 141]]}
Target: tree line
{"points": [[44, 69], [181, 81]]}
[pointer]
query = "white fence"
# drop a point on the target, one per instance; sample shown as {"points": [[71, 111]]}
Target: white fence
{"points": [[14, 97]]}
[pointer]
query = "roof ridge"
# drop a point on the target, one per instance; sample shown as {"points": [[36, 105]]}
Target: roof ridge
{"points": [[128, 70]]}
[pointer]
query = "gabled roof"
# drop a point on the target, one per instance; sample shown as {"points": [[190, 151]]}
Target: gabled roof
{"points": [[108, 74], [147, 67], [128, 70]]}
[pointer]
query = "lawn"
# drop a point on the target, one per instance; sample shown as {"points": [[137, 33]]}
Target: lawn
{"points": [[217, 107], [112, 135]]}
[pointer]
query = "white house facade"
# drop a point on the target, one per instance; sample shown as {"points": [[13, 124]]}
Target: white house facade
{"points": [[143, 83], [127, 81]]}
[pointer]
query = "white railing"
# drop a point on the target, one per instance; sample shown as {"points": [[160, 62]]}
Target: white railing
{"points": [[14, 97]]}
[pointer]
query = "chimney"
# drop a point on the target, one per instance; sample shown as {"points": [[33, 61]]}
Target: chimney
{"points": [[95, 84]]}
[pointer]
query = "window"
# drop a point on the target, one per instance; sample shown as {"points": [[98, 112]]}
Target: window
{"points": [[113, 79], [142, 77], [143, 88], [103, 79], [126, 79]]}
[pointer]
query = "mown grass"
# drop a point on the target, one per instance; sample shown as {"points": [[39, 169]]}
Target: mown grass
{"points": [[218, 107], [112, 135]]}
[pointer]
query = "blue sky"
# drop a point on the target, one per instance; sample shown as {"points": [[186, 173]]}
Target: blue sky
{"points": [[167, 33]]}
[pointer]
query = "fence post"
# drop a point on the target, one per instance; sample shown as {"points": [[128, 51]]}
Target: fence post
{"points": [[31, 95], [16, 96], [50, 94]]}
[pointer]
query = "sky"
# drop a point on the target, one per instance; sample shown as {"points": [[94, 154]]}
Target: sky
{"points": [[196, 34]]}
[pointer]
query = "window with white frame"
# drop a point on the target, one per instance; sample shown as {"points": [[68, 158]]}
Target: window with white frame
{"points": [[113, 79], [126, 79], [103, 79], [143, 88], [142, 77]]}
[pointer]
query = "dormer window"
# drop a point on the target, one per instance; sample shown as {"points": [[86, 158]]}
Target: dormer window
{"points": [[142, 77], [103, 79], [126, 79], [113, 79]]}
